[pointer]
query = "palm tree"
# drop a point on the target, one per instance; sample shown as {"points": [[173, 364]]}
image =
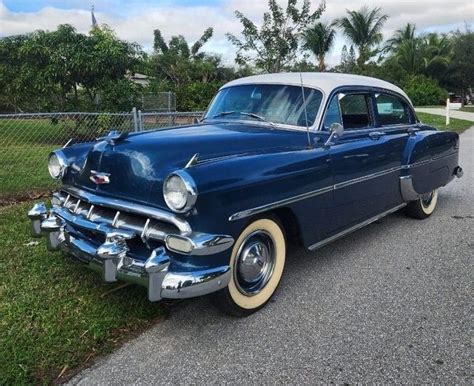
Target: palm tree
{"points": [[319, 39], [429, 54], [401, 35], [364, 29]]}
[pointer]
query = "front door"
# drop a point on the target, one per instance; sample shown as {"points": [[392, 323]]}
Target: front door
{"points": [[365, 160]]}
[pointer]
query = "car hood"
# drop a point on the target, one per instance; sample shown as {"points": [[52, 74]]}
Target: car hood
{"points": [[137, 163]]}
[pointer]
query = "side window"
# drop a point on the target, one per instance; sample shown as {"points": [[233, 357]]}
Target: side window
{"points": [[391, 110], [355, 110], [333, 113]]}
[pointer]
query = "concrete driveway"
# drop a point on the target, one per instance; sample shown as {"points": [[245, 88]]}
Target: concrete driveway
{"points": [[466, 115], [389, 303]]}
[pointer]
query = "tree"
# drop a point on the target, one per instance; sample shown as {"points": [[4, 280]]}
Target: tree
{"points": [[460, 73], [401, 35], [348, 60], [275, 44], [319, 39], [63, 69], [185, 69], [364, 29]]}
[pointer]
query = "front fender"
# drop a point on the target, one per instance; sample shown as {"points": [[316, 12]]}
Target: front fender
{"points": [[238, 184]]}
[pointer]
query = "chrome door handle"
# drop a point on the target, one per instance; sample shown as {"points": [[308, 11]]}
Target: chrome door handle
{"points": [[375, 135]]}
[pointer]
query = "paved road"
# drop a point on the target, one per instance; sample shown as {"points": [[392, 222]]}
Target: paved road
{"points": [[389, 303], [466, 115]]}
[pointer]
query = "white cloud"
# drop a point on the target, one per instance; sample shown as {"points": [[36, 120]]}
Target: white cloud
{"points": [[138, 22]]}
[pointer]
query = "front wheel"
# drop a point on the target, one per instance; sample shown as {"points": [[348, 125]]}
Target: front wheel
{"points": [[257, 263], [424, 206]]}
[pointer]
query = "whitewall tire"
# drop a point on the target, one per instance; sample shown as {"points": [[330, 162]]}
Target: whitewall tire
{"points": [[257, 263], [424, 206]]}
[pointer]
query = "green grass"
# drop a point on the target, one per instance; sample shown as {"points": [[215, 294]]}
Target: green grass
{"points": [[438, 121], [26, 143], [55, 313], [468, 108]]}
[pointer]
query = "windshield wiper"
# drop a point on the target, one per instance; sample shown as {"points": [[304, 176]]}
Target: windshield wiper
{"points": [[259, 117], [222, 113], [253, 115]]}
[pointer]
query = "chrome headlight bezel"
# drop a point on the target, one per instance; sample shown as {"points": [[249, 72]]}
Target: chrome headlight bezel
{"points": [[189, 190], [61, 164]]}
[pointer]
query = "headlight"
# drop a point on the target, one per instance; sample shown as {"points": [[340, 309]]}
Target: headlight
{"points": [[179, 191], [57, 164]]}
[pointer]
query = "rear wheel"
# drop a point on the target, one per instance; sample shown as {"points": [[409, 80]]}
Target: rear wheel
{"points": [[257, 263], [424, 206]]}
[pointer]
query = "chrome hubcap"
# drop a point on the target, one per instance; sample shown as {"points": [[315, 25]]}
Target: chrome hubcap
{"points": [[254, 263]]}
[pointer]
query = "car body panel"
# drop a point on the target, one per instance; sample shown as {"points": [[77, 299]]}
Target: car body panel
{"points": [[246, 169]]}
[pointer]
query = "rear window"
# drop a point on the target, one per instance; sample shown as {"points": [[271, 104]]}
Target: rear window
{"points": [[392, 110]]}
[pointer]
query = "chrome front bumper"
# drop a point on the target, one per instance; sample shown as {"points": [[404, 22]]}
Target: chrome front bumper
{"points": [[113, 260]]}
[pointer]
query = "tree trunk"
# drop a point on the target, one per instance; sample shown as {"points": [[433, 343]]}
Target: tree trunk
{"points": [[321, 65]]}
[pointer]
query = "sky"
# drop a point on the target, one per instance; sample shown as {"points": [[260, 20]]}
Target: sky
{"points": [[135, 20]]}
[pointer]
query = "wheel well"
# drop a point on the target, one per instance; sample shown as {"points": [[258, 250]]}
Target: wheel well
{"points": [[290, 224]]}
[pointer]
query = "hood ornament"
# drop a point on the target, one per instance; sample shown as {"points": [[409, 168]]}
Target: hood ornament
{"points": [[192, 161], [99, 178], [112, 137]]}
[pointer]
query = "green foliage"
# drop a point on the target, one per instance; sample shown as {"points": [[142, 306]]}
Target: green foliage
{"points": [[190, 73], [274, 45], [424, 91], [319, 39], [460, 73], [364, 29], [64, 70]]}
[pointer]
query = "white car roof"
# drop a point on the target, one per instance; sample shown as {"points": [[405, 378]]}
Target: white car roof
{"points": [[325, 81]]}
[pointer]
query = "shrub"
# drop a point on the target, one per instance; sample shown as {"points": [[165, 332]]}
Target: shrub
{"points": [[424, 91]]}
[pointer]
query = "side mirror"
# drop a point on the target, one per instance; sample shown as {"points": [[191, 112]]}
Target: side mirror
{"points": [[336, 130]]}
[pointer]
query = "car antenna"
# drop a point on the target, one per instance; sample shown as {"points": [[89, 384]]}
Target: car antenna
{"points": [[305, 111]]}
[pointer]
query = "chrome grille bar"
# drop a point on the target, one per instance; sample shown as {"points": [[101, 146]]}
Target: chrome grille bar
{"points": [[129, 207]]}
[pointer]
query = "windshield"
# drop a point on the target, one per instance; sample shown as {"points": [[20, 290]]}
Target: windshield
{"points": [[266, 102]]}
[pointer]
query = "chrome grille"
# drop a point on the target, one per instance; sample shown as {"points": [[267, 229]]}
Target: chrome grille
{"points": [[144, 227]]}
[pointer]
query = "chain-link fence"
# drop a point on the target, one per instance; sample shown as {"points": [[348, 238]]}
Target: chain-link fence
{"points": [[27, 139], [159, 101]]}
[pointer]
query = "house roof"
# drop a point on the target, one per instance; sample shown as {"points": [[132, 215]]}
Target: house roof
{"points": [[325, 81]]}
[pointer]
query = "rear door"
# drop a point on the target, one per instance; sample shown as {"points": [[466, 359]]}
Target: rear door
{"points": [[365, 160]]}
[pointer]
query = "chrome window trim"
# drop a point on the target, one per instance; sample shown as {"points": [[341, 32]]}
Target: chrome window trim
{"points": [[281, 126], [129, 207], [367, 89]]}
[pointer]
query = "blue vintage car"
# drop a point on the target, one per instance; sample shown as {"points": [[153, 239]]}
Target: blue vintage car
{"points": [[212, 207]]}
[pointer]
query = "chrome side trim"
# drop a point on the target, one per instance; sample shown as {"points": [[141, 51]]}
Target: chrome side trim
{"points": [[276, 204], [353, 228], [407, 190], [416, 164], [129, 207], [286, 201], [365, 178]]}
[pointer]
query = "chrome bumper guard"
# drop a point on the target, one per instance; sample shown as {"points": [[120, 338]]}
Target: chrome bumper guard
{"points": [[112, 258]]}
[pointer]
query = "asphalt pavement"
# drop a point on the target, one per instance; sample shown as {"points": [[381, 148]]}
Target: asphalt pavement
{"points": [[389, 303]]}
